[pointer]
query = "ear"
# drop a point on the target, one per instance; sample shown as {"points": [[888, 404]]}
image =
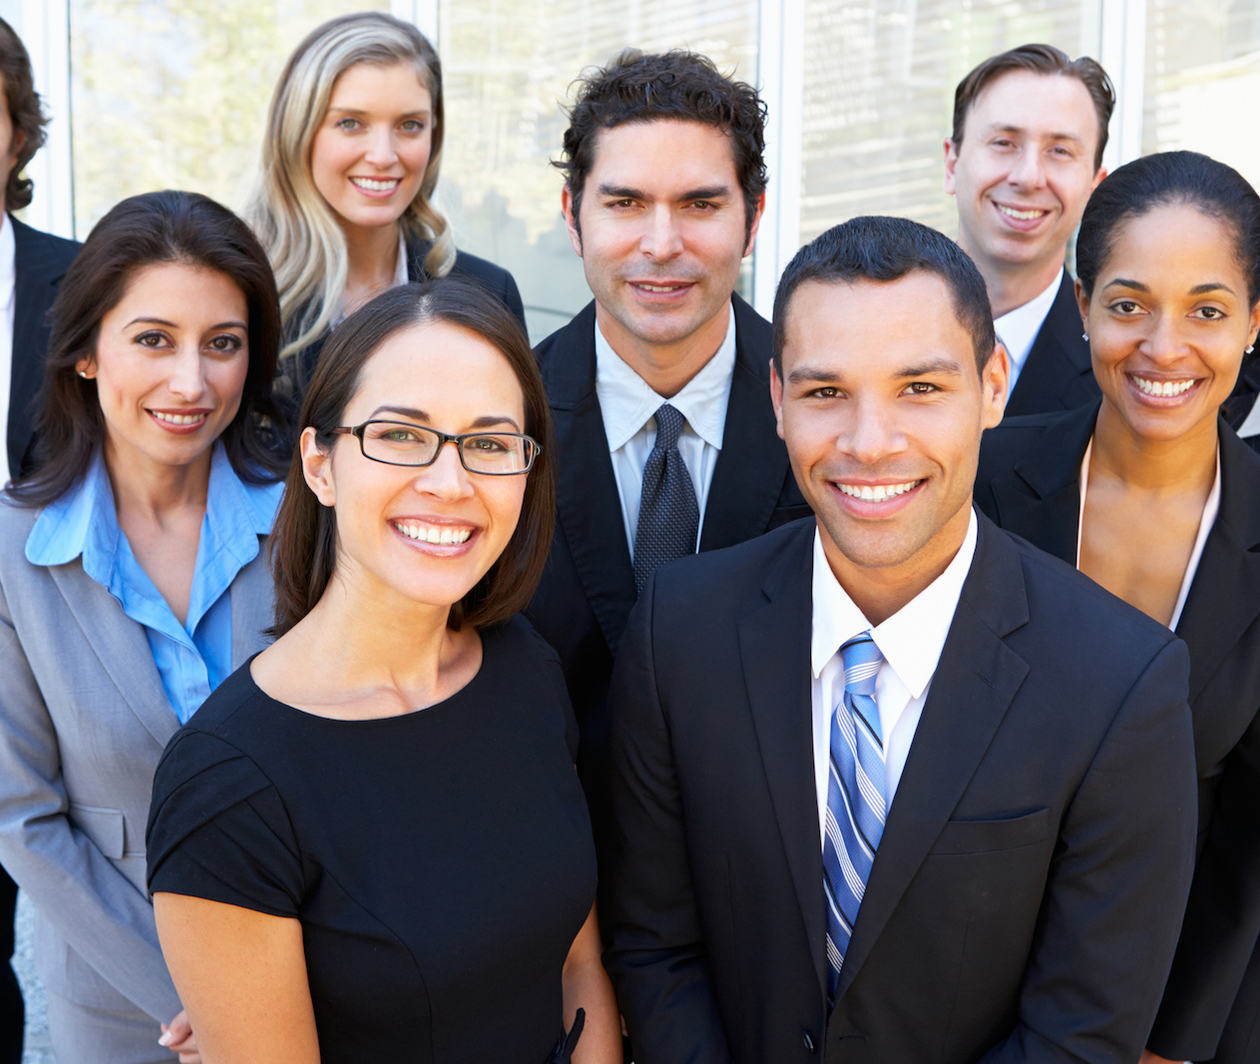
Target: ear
{"points": [[86, 367], [995, 381], [317, 468], [1082, 304], [776, 398], [570, 221], [1102, 172], [1254, 327], [951, 161], [756, 222]]}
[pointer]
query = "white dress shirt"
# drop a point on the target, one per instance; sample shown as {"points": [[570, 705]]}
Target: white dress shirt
{"points": [[1017, 329], [1211, 507], [628, 406], [8, 278], [911, 641]]}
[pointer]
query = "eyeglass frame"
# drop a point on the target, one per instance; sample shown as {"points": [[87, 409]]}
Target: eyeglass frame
{"points": [[443, 439]]}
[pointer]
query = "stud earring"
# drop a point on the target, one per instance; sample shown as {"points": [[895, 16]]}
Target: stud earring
{"points": [[1085, 337], [1250, 348], [83, 374]]}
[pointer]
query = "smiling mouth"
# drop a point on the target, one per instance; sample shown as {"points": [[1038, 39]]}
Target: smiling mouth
{"points": [[876, 492], [178, 420], [1022, 214], [1163, 389], [660, 289], [376, 184], [437, 535]]}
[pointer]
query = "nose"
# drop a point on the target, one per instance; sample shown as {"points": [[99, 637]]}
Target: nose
{"points": [[661, 239], [871, 433], [188, 378], [1163, 342], [445, 477], [381, 151], [1028, 170]]}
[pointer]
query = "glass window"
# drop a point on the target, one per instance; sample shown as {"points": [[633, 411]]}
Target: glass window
{"points": [[508, 66], [1202, 72], [879, 94], [175, 95]]}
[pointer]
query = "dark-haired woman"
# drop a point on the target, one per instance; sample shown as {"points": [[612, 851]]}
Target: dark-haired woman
{"points": [[131, 584], [371, 843], [349, 166], [1152, 495]]}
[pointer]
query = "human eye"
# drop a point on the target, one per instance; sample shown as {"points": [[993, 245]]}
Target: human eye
{"points": [[153, 339], [488, 444], [1125, 308], [826, 391], [393, 432], [226, 344], [922, 388], [413, 125], [347, 124], [1210, 313]]}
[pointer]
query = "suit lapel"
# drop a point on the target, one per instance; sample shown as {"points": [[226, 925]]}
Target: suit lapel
{"points": [[1040, 498], [751, 467], [120, 646], [774, 641], [972, 688], [1212, 621], [1058, 366], [587, 505]]}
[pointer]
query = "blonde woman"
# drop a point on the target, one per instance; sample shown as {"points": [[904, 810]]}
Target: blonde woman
{"points": [[349, 164]]}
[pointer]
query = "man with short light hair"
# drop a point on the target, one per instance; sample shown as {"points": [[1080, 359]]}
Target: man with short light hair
{"points": [[1030, 126]]}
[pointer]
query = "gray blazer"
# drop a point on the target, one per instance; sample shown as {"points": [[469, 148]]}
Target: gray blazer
{"points": [[83, 721]]}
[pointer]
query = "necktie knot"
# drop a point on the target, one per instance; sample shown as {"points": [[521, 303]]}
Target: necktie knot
{"points": [[861, 660], [669, 426]]}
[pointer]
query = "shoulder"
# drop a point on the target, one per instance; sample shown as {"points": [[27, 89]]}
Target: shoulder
{"points": [[16, 522], [1034, 436], [53, 252], [752, 332], [470, 265], [578, 334]]}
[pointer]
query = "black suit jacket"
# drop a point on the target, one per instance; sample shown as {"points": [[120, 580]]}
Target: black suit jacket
{"points": [[1058, 374], [40, 261], [298, 368], [587, 589], [1025, 897], [1029, 482]]}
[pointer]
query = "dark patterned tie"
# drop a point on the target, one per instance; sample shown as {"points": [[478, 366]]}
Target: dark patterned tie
{"points": [[855, 799], [668, 514]]}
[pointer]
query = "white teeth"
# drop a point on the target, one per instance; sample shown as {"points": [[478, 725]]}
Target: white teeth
{"points": [[373, 184], [439, 535], [178, 419], [1023, 216], [659, 287], [1163, 389], [878, 492]]}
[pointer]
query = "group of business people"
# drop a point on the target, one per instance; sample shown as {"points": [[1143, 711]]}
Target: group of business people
{"points": [[884, 784]]}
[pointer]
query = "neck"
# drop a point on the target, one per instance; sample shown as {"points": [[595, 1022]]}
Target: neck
{"points": [[1010, 287], [152, 489], [666, 368], [371, 262], [1160, 467]]}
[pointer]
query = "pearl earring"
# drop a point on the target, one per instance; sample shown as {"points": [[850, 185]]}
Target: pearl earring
{"points": [[83, 374]]}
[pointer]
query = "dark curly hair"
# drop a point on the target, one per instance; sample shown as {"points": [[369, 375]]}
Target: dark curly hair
{"points": [[640, 87], [25, 115]]}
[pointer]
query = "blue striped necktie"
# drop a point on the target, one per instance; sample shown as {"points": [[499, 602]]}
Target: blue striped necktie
{"points": [[856, 799]]}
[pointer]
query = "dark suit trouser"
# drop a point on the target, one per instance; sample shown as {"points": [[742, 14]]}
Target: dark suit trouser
{"points": [[12, 1017]]}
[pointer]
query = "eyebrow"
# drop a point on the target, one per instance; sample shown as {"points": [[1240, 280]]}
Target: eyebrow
{"points": [[173, 325], [943, 364], [424, 112], [1198, 290], [485, 421], [704, 192]]}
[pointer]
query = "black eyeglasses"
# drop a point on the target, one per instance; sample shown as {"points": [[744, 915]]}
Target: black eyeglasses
{"points": [[494, 454]]}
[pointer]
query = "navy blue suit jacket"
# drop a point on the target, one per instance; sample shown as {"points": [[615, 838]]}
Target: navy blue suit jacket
{"points": [[1057, 374]]}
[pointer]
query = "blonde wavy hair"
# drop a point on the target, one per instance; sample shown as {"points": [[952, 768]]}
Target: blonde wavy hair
{"points": [[292, 220]]}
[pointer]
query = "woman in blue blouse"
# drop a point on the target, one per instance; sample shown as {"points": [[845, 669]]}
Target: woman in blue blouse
{"points": [[131, 583]]}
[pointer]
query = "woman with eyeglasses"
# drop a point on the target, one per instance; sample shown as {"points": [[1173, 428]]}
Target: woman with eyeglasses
{"points": [[1152, 494], [371, 843]]}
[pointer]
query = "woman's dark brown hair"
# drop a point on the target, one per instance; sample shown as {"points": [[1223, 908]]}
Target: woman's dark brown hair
{"points": [[157, 227], [304, 542]]}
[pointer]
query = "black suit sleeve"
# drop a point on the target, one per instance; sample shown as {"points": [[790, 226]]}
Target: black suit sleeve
{"points": [[1222, 920], [656, 954], [1117, 885]]}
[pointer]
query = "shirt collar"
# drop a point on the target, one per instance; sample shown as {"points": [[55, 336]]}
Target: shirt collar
{"points": [[911, 640], [1018, 328], [8, 252], [83, 521], [627, 403]]}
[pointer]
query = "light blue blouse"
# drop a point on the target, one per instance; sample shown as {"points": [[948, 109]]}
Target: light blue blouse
{"points": [[195, 657]]}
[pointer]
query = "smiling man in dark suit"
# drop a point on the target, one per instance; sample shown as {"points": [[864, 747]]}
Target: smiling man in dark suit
{"points": [[31, 266], [890, 785], [1030, 126], [664, 188]]}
